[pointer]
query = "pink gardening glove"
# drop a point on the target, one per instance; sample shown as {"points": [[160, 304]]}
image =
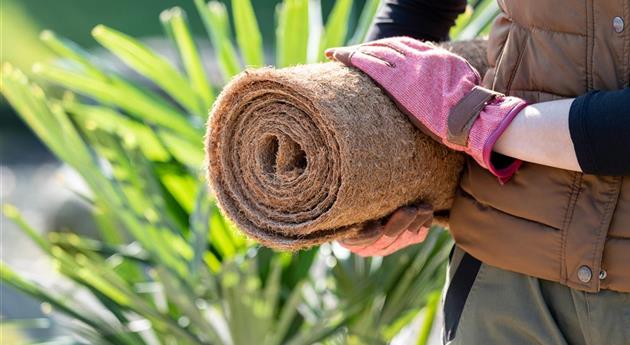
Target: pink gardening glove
{"points": [[406, 226], [440, 93]]}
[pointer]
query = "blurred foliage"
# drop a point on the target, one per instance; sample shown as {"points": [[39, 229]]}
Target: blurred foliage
{"points": [[22, 20], [18, 35], [168, 268]]}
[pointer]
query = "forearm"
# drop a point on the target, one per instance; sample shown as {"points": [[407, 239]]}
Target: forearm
{"points": [[590, 133], [540, 134]]}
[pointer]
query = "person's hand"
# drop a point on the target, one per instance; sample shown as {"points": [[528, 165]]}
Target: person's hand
{"points": [[440, 93], [406, 226]]}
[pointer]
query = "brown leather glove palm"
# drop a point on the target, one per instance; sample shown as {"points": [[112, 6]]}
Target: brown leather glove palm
{"points": [[406, 226]]}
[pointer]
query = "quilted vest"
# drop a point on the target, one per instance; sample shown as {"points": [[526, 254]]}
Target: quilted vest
{"points": [[553, 224]]}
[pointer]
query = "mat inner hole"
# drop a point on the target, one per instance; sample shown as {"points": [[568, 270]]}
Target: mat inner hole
{"points": [[281, 155]]}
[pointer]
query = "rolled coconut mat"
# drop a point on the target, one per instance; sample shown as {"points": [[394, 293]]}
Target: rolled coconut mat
{"points": [[304, 155]]}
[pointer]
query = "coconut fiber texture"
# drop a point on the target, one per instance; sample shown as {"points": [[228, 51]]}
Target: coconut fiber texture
{"points": [[305, 155]]}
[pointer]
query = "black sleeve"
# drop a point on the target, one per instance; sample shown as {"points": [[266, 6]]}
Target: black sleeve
{"points": [[599, 123], [428, 20]]}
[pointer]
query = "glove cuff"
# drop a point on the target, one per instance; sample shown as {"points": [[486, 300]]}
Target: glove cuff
{"points": [[477, 121], [501, 113]]}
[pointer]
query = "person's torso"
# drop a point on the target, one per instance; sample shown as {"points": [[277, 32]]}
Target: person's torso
{"points": [[549, 223]]}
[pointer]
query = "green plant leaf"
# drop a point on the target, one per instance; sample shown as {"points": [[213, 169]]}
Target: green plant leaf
{"points": [[430, 312], [186, 151], [215, 19], [48, 122], [365, 20], [70, 50], [112, 121], [177, 25], [292, 32], [248, 34], [220, 235], [115, 91], [11, 278], [200, 229], [152, 66], [336, 27], [287, 316], [461, 22], [12, 213], [483, 15]]}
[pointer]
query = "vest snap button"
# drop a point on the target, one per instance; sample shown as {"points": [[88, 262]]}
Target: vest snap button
{"points": [[618, 24], [584, 274], [602, 274]]}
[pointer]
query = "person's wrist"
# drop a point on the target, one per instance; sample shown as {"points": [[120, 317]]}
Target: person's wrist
{"points": [[502, 111]]}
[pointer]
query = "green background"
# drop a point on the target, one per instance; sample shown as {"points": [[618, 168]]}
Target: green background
{"points": [[22, 20]]}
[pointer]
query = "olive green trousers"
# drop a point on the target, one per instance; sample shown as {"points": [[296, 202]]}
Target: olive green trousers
{"points": [[485, 305]]}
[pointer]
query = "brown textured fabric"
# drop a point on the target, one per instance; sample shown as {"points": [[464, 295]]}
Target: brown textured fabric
{"points": [[546, 222], [302, 155]]}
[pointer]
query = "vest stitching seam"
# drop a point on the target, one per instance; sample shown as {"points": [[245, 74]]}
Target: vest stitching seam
{"points": [[590, 25], [541, 93], [575, 191], [598, 245], [500, 60], [538, 28], [598, 248], [470, 197], [541, 28], [519, 60], [626, 75], [592, 45]]}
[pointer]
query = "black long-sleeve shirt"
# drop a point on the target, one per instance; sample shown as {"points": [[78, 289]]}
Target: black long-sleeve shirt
{"points": [[599, 121], [428, 20]]}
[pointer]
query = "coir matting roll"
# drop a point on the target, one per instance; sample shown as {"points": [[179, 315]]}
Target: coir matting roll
{"points": [[304, 155]]}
